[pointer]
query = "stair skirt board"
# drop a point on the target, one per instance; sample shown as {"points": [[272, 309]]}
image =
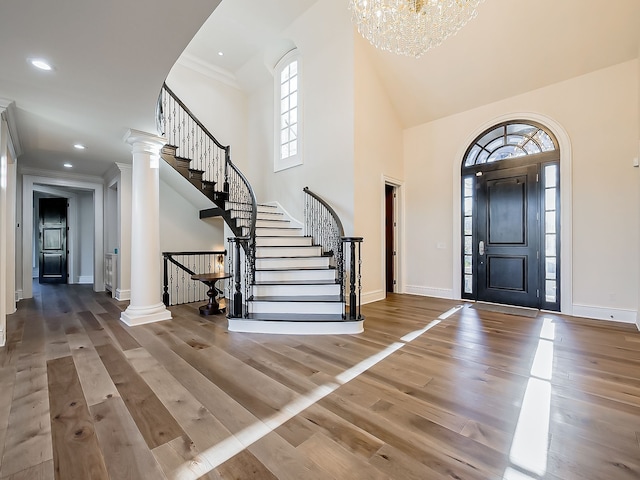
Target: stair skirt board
{"points": [[290, 241], [288, 251], [295, 327], [291, 262], [320, 274], [289, 290], [295, 307]]}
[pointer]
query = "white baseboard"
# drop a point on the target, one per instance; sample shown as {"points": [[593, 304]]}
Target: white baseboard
{"points": [[429, 291], [85, 279], [638, 323], [3, 338], [375, 296], [123, 295], [18, 295], [605, 313]]}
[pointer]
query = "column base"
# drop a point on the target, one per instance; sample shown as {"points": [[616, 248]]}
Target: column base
{"points": [[133, 316], [122, 295]]}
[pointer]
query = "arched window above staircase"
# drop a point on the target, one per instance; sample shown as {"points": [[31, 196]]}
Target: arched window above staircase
{"points": [[288, 111]]}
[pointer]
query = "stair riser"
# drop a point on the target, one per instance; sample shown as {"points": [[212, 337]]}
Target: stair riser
{"points": [[293, 290], [261, 215], [265, 223], [295, 328], [277, 232], [295, 275], [261, 209], [297, 262], [275, 252], [288, 241], [295, 307]]}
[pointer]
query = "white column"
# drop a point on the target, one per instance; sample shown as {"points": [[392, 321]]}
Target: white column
{"points": [[146, 300]]}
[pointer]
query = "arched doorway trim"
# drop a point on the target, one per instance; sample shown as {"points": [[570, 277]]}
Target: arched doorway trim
{"points": [[564, 143]]}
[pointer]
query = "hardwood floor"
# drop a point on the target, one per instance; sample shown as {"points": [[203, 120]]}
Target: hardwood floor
{"points": [[432, 389]]}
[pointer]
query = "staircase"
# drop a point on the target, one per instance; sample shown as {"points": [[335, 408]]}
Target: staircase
{"points": [[282, 282], [296, 287]]}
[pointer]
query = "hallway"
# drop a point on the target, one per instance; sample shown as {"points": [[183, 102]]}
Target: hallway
{"points": [[432, 389]]}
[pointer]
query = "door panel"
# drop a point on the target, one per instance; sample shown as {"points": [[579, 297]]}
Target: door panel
{"points": [[53, 240], [508, 237]]}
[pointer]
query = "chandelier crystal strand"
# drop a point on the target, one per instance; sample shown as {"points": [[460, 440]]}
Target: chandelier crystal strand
{"points": [[410, 27]]}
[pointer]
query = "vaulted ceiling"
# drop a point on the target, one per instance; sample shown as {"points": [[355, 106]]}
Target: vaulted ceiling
{"points": [[111, 57]]}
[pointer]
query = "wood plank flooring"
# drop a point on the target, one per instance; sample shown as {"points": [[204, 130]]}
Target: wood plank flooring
{"points": [[432, 389]]}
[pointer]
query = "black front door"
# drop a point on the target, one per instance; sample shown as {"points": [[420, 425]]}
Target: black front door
{"points": [[53, 240], [507, 249]]}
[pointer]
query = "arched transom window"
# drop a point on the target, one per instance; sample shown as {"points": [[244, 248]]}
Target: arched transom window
{"points": [[509, 141]]}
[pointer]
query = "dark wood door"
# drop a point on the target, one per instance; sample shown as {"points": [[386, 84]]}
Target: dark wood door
{"points": [[389, 239], [507, 248], [53, 240]]}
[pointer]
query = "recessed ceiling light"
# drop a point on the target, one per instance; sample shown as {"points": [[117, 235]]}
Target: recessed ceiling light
{"points": [[68, 165], [41, 64], [220, 53], [79, 146]]}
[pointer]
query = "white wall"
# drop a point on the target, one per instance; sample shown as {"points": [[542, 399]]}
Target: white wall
{"points": [[182, 230], [324, 38], [220, 107], [378, 156], [600, 114]]}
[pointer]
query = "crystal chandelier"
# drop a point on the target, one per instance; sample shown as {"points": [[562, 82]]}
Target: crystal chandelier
{"points": [[410, 27]]}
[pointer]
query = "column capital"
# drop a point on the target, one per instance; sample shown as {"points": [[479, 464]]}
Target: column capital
{"points": [[133, 137]]}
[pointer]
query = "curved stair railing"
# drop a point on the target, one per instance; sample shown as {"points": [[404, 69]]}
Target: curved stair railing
{"points": [[206, 163], [322, 223]]}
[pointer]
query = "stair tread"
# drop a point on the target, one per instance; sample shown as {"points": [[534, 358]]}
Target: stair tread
{"points": [[288, 246], [298, 298], [290, 256], [294, 269], [281, 228], [297, 282], [298, 317]]}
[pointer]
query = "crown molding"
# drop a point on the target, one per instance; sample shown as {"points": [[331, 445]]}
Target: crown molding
{"points": [[38, 172], [8, 111], [209, 70]]}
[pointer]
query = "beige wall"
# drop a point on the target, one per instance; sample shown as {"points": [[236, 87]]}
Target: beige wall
{"points": [[378, 155], [599, 113]]}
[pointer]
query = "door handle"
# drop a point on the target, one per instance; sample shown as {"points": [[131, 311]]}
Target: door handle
{"points": [[481, 248]]}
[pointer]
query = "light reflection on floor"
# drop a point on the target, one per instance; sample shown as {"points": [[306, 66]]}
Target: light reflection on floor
{"points": [[217, 454], [530, 445]]}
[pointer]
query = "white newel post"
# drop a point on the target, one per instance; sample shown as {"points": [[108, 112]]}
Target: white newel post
{"points": [[146, 300]]}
